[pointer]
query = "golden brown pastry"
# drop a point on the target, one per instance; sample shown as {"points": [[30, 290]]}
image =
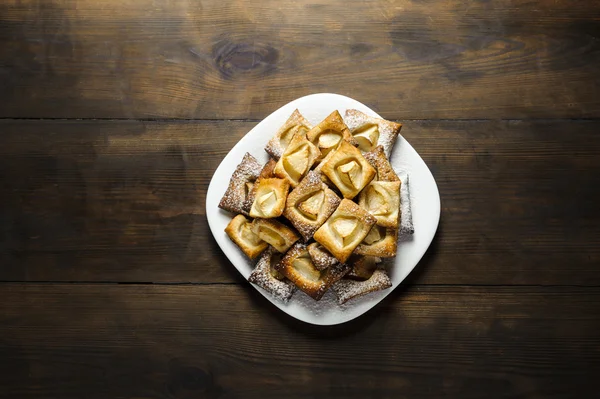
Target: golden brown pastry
{"points": [[270, 197], [382, 200], [378, 160], [310, 204], [240, 185], [275, 233], [370, 132], [297, 266], [265, 173], [344, 229], [296, 123], [347, 289], [265, 276], [328, 134], [348, 170], [321, 257], [297, 159], [240, 232], [381, 242], [362, 267]]}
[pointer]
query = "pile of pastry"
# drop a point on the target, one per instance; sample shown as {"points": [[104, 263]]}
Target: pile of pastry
{"points": [[324, 210]]}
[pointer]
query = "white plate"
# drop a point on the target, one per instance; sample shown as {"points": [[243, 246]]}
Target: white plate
{"points": [[423, 191]]}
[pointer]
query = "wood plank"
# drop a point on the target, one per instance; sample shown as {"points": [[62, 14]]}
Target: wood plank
{"points": [[128, 341], [125, 201], [215, 59]]}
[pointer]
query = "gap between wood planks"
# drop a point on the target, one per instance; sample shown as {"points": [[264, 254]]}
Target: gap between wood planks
{"points": [[182, 283], [184, 120]]}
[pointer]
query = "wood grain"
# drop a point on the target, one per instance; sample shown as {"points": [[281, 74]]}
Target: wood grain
{"points": [[417, 59], [97, 341], [125, 201]]}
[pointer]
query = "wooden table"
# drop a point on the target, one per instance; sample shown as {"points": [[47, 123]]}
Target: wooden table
{"points": [[115, 114]]}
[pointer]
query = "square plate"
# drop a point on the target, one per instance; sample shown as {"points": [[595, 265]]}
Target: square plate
{"points": [[425, 200]]}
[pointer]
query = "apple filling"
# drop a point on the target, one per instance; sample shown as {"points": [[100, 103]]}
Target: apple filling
{"points": [[344, 228], [311, 206], [367, 137], [303, 264], [327, 141], [376, 234], [287, 135], [349, 173], [296, 163], [272, 237], [248, 235], [377, 201]]}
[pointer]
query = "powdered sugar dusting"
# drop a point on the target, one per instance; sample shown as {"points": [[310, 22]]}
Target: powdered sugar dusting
{"points": [[348, 289], [388, 131], [234, 198], [406, 222], [262, 277], [385, 172], [310, 184], [321, 258]]}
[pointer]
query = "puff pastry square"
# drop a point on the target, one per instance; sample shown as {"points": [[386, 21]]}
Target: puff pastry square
{"points": [[310, 204], [348, 170], [321, 257], [240, 185], [347, 289], [265, 276], [370, 132], [382, 200], [270, 198], [345, 229], [329, 133], [378, 160], [265, 173], [275, 233], [296, 123], [240, 232], [363, 267], [406, 222], [297, 159], [381, 242], [298, 267]]}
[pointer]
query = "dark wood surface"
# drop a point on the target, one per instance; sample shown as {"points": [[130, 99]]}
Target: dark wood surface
{"points": [[211, 341], [115, 114], [242, 59]]}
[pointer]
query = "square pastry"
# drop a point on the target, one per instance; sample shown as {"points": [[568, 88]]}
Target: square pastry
{"points": [[383, 167], [370, 132], [240, 185], [297, 266], [363, 267], [265, 276], [240, 232], [265, 173], [347, 289], [321, 257], [345, 229], [269, 199], [348, 170], [310, 204], [296, 123], [297, 159], [381, 242], [328, 134], [275, 233], [382, 200]]}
